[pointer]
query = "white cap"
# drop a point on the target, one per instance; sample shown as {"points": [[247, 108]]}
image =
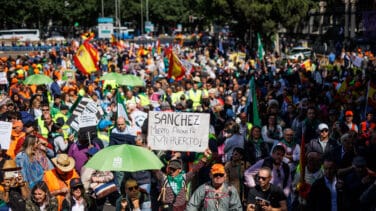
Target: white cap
{"points": [[323, 126]]}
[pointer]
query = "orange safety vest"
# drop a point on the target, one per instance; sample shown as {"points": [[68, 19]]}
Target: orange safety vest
{"points": [[54, 183]]}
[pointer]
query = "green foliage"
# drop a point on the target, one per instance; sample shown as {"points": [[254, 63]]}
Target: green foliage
{"points": [[263, 16]]}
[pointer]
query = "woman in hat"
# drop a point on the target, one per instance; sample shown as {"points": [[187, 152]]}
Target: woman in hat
{"points": [[33, 159], [58, 179], [41, 199], [77, 199]]}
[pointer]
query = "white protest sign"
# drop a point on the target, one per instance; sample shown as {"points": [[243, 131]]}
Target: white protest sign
{"points": [[5, 133], [3, 78], [178, 131]]}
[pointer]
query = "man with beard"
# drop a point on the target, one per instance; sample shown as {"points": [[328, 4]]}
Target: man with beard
{"points": [[280, 171]]}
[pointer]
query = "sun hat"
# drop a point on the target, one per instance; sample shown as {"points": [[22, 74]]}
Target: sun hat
{"points": [[10, 165], [63, 162]]}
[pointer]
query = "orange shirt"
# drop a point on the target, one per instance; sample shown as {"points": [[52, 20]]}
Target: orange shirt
{"points": [[13, 143], [55, 183]]}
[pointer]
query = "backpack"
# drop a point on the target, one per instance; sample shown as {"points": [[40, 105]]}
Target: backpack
{"points": [[268, 162], [225, 193]]}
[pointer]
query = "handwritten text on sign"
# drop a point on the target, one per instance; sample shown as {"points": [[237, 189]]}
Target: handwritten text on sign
{"points": [[178, 131]]}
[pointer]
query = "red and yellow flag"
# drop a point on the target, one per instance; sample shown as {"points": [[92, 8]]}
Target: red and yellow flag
{"points": [[86, 58], [175, 68]]}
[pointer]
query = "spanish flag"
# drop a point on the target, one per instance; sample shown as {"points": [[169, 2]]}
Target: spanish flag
{"points": [[86, 58], [87, 36], [175, 68]]}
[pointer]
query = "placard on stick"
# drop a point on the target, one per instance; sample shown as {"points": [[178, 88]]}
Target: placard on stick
{"points": [[178, 131]]}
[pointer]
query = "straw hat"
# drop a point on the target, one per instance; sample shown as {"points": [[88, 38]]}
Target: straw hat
{"points": [[64, 162], [10, 165]]}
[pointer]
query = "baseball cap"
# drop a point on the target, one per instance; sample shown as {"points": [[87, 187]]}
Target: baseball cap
{"points": [[349, 113], [75, 182], [323, 126], [104, 123], [217, 169], [176, 164]]}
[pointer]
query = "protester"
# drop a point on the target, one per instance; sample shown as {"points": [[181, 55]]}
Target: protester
{"points": [[77, 199], [174, 184], [323, 144], [216, 194], [41, 199], [33, 160], [229, 82], [281, 176], [235, 171], [255, 146], [265, 195], [14, 191], [325, 192], [58, 179], [133, 197]]}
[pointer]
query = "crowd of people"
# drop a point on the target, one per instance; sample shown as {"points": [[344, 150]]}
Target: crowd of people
{"points": [[305, 138]]}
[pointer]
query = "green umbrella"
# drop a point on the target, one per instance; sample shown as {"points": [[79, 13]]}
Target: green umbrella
{"points": [[37, 79], [124, 158], [111, 76], [131, 80]]}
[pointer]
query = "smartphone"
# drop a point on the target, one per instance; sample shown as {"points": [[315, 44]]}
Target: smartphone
{"points": [[11, 174]]}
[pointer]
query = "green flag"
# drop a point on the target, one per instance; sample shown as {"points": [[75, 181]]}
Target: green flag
{"points": [[121, 109], [252, 97], [260, 48], [256, 117]]}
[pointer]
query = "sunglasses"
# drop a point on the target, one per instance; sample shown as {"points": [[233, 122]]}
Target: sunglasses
{"points": [[76, 187], [172, 169], [133, 188], [324, 130], [262, 178], [45, 109], [218, 175]]}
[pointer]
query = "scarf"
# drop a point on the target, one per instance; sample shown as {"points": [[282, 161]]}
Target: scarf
{"points": [[176, 183], [288, 144]]}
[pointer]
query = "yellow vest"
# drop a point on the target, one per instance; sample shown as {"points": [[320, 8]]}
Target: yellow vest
{"points": [[176, 96], [42, 129], [144, 100], [103, 137], [65, 127], [195, 97]]}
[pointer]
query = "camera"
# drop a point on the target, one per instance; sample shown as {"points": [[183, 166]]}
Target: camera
{"points": [[261, 201]]}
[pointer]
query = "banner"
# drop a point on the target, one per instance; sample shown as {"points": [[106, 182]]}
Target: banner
{"points": [[178, 131], [86, 114], [5, 133]]}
